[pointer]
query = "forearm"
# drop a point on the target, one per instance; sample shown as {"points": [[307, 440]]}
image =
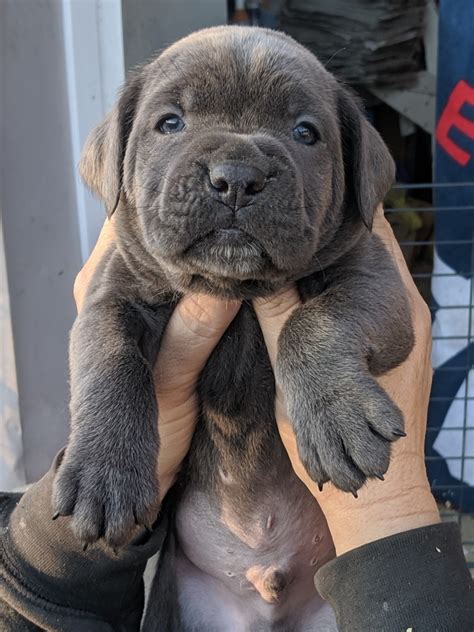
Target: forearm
{"points": [[50, 581]]}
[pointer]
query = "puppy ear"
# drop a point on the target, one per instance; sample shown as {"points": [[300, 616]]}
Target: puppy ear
{"points": [[101, 164], [369, 167]]}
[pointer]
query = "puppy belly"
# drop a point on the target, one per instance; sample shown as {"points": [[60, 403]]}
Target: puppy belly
{"points": [[207, 605], [250, 569]]}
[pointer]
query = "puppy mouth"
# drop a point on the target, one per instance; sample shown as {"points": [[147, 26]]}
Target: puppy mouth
{"points": [[228, 252]]}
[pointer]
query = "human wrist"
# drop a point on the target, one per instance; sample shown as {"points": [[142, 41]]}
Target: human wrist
{"points": [[354, 522]]}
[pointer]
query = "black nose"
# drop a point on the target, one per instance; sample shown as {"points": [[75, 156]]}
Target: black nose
{"points": [[237, 183]]}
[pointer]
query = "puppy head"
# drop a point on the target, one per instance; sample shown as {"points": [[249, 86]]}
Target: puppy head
{"points": [[233, 159]]}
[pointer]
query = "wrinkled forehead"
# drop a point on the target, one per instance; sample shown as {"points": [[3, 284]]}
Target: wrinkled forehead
{"points": [[230, 70]]}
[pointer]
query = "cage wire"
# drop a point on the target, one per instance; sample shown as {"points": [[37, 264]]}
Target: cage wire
{"points": [[451, 470]]}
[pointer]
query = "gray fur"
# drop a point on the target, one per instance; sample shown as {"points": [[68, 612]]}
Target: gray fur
{"points": [[240, 92]]}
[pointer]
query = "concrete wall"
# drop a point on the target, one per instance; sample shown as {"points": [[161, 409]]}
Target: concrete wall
{"points": [[39, 218]]}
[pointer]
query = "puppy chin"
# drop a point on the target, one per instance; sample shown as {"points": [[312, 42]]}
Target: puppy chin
{"points": [[228, 254], [226, 263]]}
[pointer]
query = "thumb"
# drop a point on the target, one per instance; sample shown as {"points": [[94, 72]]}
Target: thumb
{"points": [[195, 327], [272, 314]]}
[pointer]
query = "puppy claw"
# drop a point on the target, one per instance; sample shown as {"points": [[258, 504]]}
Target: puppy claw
{"points": [[399, 433], [381, 477], [355, 494], [85, 546], [320, 486], [55, 516]]}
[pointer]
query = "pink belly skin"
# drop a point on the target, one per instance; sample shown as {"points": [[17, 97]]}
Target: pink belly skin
{"points": [[252, 570]]}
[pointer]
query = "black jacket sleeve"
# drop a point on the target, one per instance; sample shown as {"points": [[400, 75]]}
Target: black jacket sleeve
{"points": [[48, 582], [417, 580], [413, 581]]}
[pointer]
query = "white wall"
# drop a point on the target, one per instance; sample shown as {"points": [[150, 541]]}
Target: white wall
{"points": [[39, 218], [12, 470]]}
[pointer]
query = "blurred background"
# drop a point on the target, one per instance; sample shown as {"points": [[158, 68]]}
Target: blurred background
{"points": [[61, 63]]}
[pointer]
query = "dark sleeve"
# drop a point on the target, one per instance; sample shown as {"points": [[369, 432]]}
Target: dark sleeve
{"points": [[413, 581], [48, 582]]}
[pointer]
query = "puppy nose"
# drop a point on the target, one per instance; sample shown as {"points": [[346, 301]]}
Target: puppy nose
{"points": [[237, 183]]}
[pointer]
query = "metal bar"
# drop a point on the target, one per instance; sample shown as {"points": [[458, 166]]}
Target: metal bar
{"points": [[449, 399], [466, 337], [432, 185], [427, 209], [449, 307], [433, 459], [464, 432], [441, 487], [454, 368], [429, 275], [450, 429], [439, 242]]}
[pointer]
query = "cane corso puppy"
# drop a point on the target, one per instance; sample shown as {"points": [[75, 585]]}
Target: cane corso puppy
{"points": [[234, 165]]}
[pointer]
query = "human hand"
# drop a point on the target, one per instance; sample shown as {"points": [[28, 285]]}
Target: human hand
{"points": [[403, 500], [195, 327]]}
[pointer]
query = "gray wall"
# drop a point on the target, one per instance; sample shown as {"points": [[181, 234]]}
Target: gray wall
{"points": [[151, 25], [38, 206]]}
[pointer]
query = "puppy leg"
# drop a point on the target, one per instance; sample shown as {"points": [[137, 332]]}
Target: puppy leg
{"points": [[107, 478], [343, 420]]}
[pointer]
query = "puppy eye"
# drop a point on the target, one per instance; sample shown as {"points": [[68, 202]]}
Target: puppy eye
{"points": [[306, 133], [170, 124]]}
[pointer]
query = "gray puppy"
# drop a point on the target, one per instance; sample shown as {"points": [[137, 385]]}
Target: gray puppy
{"points": [[235, 164]]}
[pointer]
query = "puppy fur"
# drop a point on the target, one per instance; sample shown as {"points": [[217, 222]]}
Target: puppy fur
{"points": [[240, 93]]}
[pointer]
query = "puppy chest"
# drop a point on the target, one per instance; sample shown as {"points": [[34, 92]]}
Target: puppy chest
{"points": [[237, 381]]}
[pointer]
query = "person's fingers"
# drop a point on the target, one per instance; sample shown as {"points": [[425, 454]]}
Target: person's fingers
{"points": [[417, 368], [195, 327], [272, 314], [384, 231], [384, 508], [421, 316], [85, 275]]}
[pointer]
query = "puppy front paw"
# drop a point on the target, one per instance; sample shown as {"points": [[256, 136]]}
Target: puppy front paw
{"points": [[107, 493], [344, 431]]}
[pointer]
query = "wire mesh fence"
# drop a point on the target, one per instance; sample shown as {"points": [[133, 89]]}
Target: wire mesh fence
{"points": [[442, 264]]}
